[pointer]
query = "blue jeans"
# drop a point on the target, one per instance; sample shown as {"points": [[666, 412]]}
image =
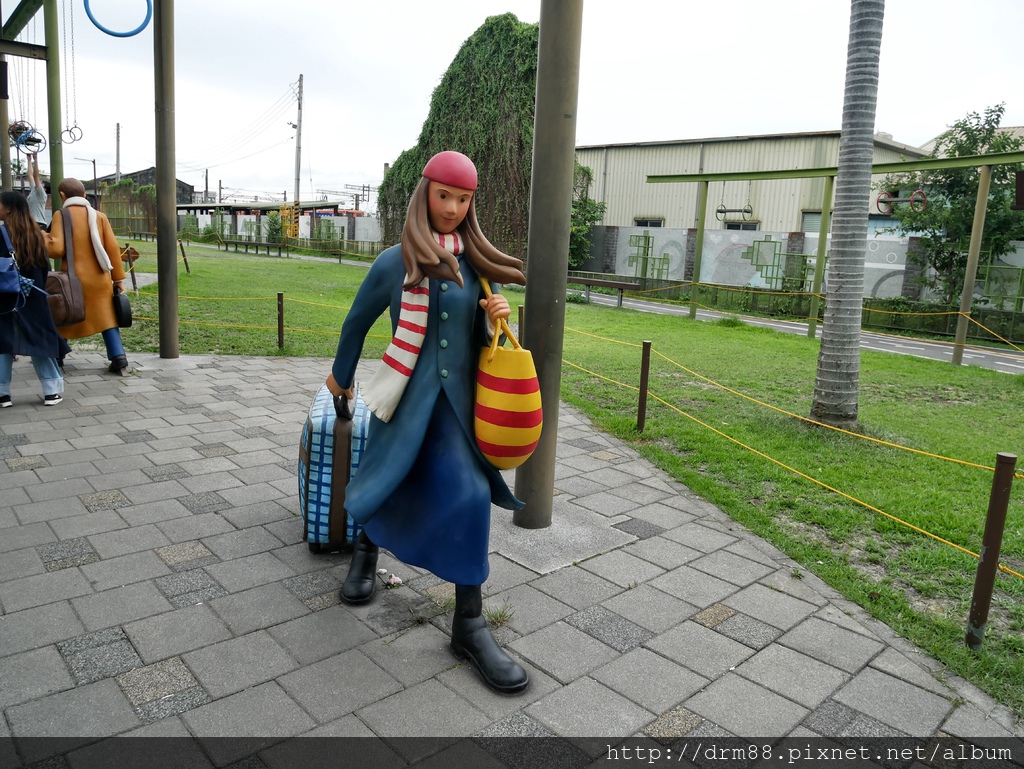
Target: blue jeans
{"points": [[112, 339], [46, 370]]}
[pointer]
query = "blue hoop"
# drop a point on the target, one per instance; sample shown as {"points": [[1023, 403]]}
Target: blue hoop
{"points": [[137, 30]]}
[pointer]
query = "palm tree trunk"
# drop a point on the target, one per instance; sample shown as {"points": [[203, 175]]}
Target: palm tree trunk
{"points": [[838, 378]]}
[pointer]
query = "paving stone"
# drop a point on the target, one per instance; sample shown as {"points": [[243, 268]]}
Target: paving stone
{"points": [[96, 710], [172, 705], [238, 544], [186, 582], [586, 708], [889, 700], [18, 462], [28, 592], [305, 586], [324, 634], [105, 500], [32, 674], [324, 688], [763, 713], [120, 605], [731, 567], [621, 568], [206, 502], [749, 631], [244, 573], [693, 586], [259, 608], [176, 632], [800, 678], [412, 656], [713, 616], [831, 644], [576, 587], [193, 527], [424, 710], [91, 523], [124, 570], [132, 540], [264, 714], [678, 722], [830, 718], [183, 552], [609, 628], [563, 652], [210, 450], [639, 528], [230, 666], [653, 682], [67, 553], [771, 606], [136, 436], [154, 682], [99, 655], [703, 651]]}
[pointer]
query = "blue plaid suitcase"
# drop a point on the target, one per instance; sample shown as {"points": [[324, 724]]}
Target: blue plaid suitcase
{"points": [[329, 452]]}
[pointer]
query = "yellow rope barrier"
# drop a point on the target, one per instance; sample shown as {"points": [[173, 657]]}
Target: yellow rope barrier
{"points": [[796, 472]]}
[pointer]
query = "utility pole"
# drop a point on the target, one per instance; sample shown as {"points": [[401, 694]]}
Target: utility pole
{"points": [[220, 190], [206, 186], [298, 145], [117, 161], [554, 149]]}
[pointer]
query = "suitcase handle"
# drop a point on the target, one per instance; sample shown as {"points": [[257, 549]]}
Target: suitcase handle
{"points": [[343, 407]]}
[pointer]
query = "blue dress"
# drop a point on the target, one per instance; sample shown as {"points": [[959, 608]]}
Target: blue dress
{"points": [[424, 490]]}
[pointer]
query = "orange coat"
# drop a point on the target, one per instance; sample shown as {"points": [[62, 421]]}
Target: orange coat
{"points": [[97, 285]]}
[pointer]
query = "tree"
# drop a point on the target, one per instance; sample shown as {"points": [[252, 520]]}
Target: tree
{"points": [[838, 376], [944, 225], [482, 107], [586, 212], [274, 227]]}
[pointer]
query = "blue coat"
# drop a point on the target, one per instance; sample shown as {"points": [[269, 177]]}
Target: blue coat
{"points": [[456, 332]]}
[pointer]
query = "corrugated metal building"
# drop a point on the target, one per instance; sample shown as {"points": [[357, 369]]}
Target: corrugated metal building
{"points": [[784, 205]]}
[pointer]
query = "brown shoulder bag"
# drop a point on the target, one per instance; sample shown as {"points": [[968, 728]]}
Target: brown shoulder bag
{"points": [[66, 300]]}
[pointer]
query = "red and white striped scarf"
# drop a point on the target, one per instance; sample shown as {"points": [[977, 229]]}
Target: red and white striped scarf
{"points": [[384, 391]]}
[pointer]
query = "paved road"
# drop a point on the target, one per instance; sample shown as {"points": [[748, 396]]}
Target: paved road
{"points": [[1009, 362]]}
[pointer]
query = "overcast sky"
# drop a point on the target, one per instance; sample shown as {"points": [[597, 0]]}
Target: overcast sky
{"points": [[650, 70]]}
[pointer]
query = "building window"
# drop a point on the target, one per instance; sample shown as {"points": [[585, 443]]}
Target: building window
{"points": [[649, 222], [752, 226]]}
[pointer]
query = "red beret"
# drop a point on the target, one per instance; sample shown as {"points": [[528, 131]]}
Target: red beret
{"points": [[452, 168]]}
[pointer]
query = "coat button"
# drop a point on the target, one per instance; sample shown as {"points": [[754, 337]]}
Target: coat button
{"points": [[444, 343], [444, 373], [444, 286], [444, 316]]}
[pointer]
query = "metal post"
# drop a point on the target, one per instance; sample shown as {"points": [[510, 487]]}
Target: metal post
{"points": [[974, 251], [819, 261], [645, 370], [166, 186], [521, 327], [6, 179], [991, 541], [554, 150], [53, 111], [280, 320], [698, 249]]}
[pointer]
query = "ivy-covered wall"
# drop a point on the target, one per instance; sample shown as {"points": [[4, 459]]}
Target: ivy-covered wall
{"points": [[483, 107]]}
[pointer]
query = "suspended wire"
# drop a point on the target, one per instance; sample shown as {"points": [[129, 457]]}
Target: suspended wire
{"points": [[248, 134], [233, 160]]}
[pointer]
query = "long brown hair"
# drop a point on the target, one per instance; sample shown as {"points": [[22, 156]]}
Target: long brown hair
{"points": [[423, 256], [26, 237]]}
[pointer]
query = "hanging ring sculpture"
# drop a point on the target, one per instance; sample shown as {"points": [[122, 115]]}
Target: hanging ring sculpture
{"points": [[17, 130], [747, 211], [31, 142], [137, 30], [71, 135]]}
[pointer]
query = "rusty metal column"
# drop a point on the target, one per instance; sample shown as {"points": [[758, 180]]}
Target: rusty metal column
{"points": [[554, 154], [6, 178], [973, 253], [166, 184], [698, 248]]}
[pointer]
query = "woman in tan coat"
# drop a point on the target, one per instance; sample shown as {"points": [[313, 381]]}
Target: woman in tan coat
{"points": [[97, 258]]}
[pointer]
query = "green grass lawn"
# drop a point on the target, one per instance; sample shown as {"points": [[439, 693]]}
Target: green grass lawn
{"points": [[722, 445]]}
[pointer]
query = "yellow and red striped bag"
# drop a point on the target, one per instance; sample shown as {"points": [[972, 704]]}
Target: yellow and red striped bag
{"points": [[508, 408]]}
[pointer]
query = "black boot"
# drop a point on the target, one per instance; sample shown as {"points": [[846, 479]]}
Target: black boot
{"points": [[118, 364], [472, 640], [362, 571]]}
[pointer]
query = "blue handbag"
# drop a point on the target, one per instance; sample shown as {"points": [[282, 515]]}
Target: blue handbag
{"points": [[11, 281]]}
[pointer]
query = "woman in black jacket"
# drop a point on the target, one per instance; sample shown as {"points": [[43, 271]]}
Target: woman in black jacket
{"points": [[28, 329]]}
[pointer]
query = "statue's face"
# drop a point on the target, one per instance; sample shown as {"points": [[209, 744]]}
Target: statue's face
{"points": [[447, 206]]}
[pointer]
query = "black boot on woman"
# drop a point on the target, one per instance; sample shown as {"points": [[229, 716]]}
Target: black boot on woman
{"points": [[472, 640], [362, 571]]}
